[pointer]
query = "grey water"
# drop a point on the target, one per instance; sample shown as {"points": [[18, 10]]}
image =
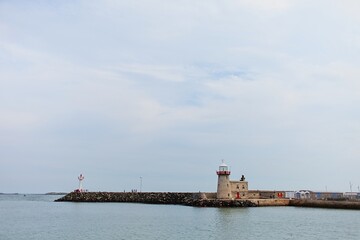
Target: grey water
{"points": [[39, 217]]}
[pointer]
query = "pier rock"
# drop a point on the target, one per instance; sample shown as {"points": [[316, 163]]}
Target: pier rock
{"points": [[179, 198]]}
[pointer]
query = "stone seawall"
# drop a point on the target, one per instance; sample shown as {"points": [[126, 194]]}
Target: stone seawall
{"points": [[179, 198], [199, 200], [271, 202], [325, 204]]}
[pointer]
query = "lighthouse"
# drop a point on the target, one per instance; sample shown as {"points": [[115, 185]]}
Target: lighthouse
{"points": [[81, 178], [223, 188]]}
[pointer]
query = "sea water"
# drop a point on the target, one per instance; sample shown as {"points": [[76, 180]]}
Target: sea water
{"points": [[39, 217]]}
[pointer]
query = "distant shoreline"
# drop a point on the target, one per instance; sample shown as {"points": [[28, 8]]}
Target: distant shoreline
{"points": [[56, 193]]}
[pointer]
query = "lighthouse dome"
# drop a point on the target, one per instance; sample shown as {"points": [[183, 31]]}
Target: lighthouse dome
{"points": [[223, 166]]}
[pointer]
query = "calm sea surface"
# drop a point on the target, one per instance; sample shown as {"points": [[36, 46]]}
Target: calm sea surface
{"points": [[38, 217]]}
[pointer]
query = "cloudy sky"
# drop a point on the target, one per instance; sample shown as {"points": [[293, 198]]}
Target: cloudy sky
{"points": [[164, 90]]}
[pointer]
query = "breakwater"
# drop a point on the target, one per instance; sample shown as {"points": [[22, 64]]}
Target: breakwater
{"points": [[325, 204], [200, 200], [178, 198], [280, 202]]}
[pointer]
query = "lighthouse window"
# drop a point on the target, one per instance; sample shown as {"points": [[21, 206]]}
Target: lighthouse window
{"points": [[243, 187], [237, 186], [227, 185]]}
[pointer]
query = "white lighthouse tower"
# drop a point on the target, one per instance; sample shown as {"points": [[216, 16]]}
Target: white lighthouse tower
{"points": [[81, 178], [223, 188]]}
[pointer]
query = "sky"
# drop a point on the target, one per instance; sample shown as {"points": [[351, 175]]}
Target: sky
{"points": [[161, 91]]}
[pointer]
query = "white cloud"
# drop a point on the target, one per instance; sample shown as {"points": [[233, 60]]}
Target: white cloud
{"points": [[17, 52], [161, 72], [10, 120], [270, 5]]}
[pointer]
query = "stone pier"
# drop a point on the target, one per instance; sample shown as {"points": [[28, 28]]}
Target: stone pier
{"points": [[178, 198]]}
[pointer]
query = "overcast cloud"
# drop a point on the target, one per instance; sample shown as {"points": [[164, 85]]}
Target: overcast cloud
{"points": [[166, 89]]}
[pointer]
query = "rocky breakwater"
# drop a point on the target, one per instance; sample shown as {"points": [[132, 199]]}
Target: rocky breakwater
{"points": [[222, 203], [179, 198], [135, 197]]}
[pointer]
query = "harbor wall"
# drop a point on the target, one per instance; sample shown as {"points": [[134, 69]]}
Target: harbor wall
{"points": [[199, 199], [325, 204], [270, 202], [180, 198]]}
